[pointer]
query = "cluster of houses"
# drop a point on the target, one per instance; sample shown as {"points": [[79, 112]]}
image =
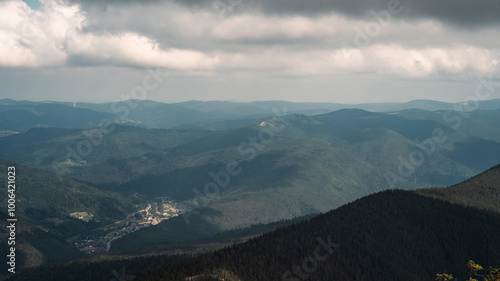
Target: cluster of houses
{"points": [[92, 245], [152, 215]]}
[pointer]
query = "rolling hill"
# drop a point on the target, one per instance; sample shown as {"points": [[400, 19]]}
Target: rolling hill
{"points": [[31, 137], [296, 178], [481, 191], [47, 202], [260, 108], [22, 116], [107, 266], [314, 164], [153, 114], [34, 247], [391, 235]]}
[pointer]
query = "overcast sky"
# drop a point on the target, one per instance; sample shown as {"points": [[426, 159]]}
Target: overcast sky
{"points": [[347, 51]]}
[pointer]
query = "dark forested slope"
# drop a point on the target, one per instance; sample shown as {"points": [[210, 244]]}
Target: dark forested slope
{"points": [[392, 235], [44, 200]]}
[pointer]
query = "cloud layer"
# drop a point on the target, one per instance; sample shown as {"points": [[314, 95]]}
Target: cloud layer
{"points": [[223, 39]]}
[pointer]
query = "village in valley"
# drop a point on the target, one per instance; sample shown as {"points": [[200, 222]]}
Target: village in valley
{"points": [[157, 211]]}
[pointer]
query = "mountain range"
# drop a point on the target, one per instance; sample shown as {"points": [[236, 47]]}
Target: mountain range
{"points": [[238, 170], [390, 235], [20, 116], [311, 165]]}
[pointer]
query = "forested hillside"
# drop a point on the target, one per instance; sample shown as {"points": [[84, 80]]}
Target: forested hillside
{"points": [[311, 164], [392, 235], [45, 201], [34, 246]]}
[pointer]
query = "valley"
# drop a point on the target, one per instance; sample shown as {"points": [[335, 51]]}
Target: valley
{"points": [[100, 239], [249, 140], [142, 196]]}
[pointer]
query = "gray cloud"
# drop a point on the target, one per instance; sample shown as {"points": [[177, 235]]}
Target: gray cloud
{"points": [[233, 49], [466, 13], [113, 2], [463, 13]]}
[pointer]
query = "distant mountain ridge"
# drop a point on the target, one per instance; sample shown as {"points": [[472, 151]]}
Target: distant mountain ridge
{"points": [[314, 164], [22, 115]]}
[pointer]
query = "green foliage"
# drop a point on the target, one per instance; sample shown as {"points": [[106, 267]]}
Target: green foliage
{"points": [[474, 268], [493, 274], [444, 277], [218, 274]]}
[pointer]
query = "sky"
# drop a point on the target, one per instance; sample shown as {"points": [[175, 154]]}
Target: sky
{"points": [[345, 51]]}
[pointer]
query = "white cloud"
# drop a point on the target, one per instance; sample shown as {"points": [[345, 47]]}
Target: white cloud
{"points": [[136, 50], [258, 27], [35, 38], [424, 62], [53, 34], [14, 50], [196, 41], [381, 59]]}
